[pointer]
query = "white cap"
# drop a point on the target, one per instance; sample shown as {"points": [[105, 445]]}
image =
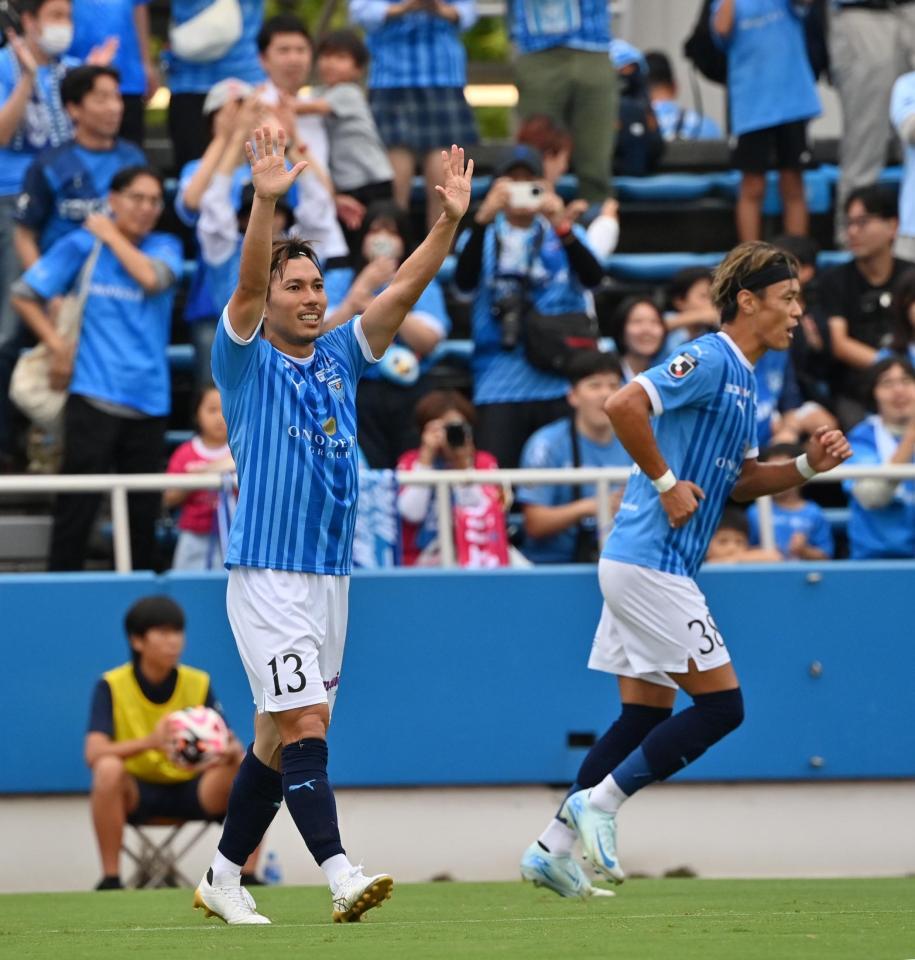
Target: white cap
{"points": [[224, 92]]}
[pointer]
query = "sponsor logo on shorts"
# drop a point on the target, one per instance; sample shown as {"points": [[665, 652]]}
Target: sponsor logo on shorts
{"points": [[332, 684]]}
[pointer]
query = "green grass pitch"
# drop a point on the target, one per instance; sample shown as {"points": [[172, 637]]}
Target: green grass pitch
{"points": [[648, 920]]}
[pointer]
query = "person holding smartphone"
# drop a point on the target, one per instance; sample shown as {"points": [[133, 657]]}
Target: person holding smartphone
{"points": [[522, 251], [445, 419]]}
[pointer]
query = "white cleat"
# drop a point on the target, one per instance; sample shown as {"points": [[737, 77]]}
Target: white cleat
{"points": [[232, 904], [356, 893]]}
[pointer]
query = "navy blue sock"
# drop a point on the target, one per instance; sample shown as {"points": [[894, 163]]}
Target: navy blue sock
{"points": [[635, 722], [680, 740], [310, 798], [257, 794]]}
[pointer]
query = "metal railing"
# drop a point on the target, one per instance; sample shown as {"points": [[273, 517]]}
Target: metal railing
{"points": [[117, 486]]}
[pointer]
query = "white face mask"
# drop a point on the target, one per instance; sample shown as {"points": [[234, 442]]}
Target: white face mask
{"points": [[56, 38], [382, 245]]}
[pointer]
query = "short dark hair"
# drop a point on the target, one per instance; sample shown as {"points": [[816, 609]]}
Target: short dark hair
{"points": [[344, 41], [436, 403], [734, 518], [803, 249], [903, 298], [126, 176], [787, 450], [684, 280], [79, 82], [148, 613], [29, 6], [281, 23], [659, 68], [290, 248], [588, 363], [881, 367], [877, 199]]}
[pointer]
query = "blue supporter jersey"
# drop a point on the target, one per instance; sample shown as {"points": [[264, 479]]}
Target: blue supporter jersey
{"points": [[67, 183], [416, 49], [123, 343], [902, 107], [96, 20], [505, 376], [885, 532], [808, 519], [551, 446], [45, 122], [776, 391], [580, 24], [682, 123], [704, 399], [292, 431], [770, 80], [430, 306], [241, 60]]}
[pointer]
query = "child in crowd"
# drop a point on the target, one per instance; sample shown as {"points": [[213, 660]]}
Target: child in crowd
{"points": [[802, 531], [199, 543], [731, 542]]}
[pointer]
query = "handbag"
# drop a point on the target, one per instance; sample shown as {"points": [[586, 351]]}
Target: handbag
{"points": [[552, 341], [30, 384], [209, 35]]}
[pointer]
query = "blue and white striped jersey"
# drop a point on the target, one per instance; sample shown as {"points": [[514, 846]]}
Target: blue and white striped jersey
{"points": [[292, 431], [704, 399]]}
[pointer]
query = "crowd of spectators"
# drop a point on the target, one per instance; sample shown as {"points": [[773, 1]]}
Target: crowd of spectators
{"points": [[80, 212]]}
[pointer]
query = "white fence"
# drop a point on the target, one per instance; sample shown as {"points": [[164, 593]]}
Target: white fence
{"points": [[117, 486]]}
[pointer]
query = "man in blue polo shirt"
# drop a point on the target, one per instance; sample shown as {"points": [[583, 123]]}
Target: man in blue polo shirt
{"points": [[67, 183], [560, 520], [119, 392]]}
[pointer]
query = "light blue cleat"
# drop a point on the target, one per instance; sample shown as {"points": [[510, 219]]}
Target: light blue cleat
{"points": [[562, 875], [596, 830]]}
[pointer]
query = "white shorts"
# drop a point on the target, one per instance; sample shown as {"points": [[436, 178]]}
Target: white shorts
{"points": [[653, 624], [290, 629]]}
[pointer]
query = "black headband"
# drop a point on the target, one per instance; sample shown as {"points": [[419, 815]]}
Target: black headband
{"points": [[773, 273]]}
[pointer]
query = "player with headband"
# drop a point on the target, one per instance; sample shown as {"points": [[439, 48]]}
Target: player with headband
{"points": [[656, 633]]}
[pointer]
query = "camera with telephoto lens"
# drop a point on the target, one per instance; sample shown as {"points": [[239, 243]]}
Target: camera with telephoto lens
{"points": [[508, 306]]}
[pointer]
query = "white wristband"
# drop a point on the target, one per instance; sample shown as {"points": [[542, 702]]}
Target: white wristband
{"points": [[667, 481], [804, 468]]}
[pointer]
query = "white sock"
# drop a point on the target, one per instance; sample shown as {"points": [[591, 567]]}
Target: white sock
{"points": [[607, 796], [225, 873], [558, 838], [335, 867]]}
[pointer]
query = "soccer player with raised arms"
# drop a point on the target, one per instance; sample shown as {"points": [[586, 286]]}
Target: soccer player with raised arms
{"points": [[289, 398], [656, 633]]}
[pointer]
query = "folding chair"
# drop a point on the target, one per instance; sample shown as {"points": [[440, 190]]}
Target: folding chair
{"points": [[157, 855]]}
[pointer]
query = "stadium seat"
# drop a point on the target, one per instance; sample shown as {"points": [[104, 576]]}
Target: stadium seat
{"points": [[159, 845], [657, 267], [666, 187]]}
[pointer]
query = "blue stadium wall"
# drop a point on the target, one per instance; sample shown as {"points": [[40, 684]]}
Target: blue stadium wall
{"points": [[466, 678]]}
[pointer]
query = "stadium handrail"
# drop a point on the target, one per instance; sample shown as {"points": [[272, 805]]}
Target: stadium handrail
{"points": [[117, 486]]}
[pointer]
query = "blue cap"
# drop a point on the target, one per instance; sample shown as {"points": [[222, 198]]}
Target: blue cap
{"points": [[521, 155]]}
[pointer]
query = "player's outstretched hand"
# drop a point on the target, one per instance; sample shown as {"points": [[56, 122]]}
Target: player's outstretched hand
{"points": [[827, 448], [681, 502], [455, 194], [267, 157]]}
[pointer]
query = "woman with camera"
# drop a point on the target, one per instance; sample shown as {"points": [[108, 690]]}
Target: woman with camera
{"points": [[522, 256], [445, 419], [389, 390]]}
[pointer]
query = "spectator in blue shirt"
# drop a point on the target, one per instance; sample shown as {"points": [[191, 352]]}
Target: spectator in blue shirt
{"points": [[802, 531], [416, 84], [388, 391], [560, 520], [124, 23], [218, 40], [772, 94], [563, 71], [882, 522], [32, 118], [521, 252], [691, 312], [902, 114], [676, 121], [65, 184], [118, 380]]}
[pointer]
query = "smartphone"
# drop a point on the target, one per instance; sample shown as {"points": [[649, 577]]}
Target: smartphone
{"points": [[525, 195], [457, 434]]}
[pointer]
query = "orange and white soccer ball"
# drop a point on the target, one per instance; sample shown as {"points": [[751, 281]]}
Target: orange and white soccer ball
{"points": [[196, 737]]}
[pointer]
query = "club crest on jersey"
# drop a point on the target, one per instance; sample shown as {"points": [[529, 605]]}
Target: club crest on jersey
{"points": [[336, 384], [330, 426], [682, 365]]}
